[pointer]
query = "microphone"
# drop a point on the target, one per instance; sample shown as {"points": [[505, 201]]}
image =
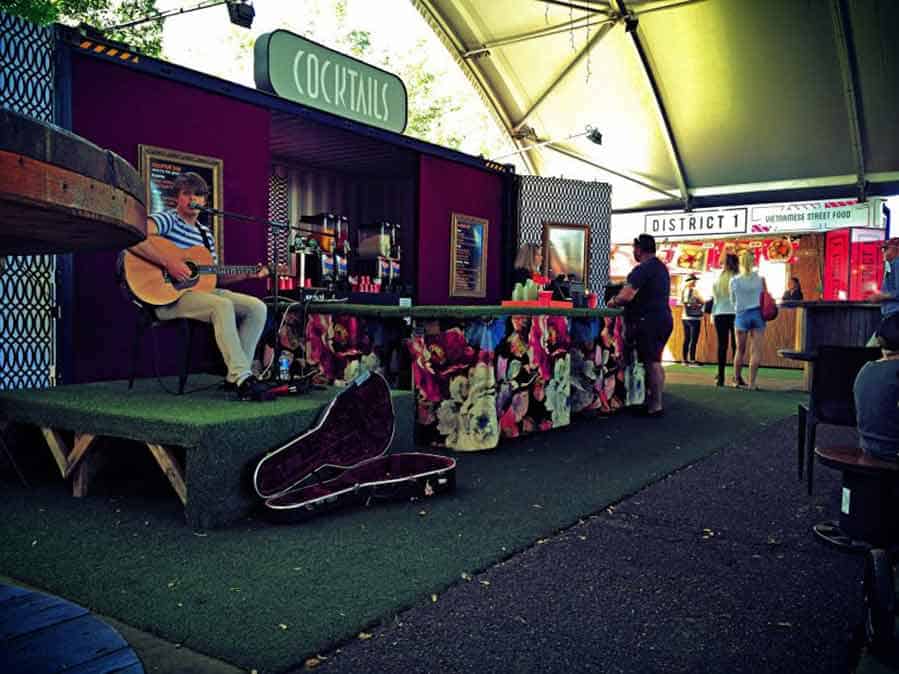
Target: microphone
{"points": [[197, 207]]}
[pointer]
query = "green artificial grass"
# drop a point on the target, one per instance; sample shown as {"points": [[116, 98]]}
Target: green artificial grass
{"points": [[783, 374], [267, 596]]}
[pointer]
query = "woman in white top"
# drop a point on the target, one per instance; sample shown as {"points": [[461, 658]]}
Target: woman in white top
{"points": [[745, 291], [723, 313]]}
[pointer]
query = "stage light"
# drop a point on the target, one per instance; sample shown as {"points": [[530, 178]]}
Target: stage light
{"points": [[240, 12], [527, 133]]}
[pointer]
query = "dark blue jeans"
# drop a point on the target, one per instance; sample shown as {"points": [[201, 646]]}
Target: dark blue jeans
{"points": [[691, 338]]}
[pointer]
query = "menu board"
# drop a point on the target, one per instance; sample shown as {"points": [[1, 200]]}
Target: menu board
{"points": [[468, 256], [160, 167]]}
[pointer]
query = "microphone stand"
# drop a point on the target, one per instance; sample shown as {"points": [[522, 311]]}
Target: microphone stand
{"points": [[273, 226]]}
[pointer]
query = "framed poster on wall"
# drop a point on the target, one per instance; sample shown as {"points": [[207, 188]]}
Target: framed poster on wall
{"points": [[468, 256], [159, 168]]}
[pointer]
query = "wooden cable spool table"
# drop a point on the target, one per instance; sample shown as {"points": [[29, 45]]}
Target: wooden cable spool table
{"points": [[60, 193]]}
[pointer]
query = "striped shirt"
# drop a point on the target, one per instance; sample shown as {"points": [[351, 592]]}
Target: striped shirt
{"points": [[172, 226]]}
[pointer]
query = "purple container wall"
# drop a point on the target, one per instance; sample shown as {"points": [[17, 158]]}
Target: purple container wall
{"points": [[118, 108], [445, 188]]}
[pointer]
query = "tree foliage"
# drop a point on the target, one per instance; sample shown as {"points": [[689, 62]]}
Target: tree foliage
{"points": [[145, 38]]}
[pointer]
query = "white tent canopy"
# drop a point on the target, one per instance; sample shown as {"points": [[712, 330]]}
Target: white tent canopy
{"points": [[699, 102]]}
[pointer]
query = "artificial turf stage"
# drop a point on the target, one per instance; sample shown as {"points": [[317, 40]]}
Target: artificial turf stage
{"points": [[265, 596]]}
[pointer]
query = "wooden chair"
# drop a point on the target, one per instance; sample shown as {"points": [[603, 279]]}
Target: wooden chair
{"points": [[830, 397], [147, 320]]}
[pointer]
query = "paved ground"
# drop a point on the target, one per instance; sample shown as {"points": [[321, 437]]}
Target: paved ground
{"points": [[714, 569]]}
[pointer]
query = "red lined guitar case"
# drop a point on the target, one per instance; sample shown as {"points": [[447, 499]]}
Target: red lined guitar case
{"points": [[343, 459]]}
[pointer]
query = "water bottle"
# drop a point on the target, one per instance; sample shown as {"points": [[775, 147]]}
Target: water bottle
{"points": [[284, 366]]}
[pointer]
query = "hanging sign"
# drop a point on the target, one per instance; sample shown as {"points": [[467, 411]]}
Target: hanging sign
{"points": [[292, 67], [696, 224], [808, 216]]}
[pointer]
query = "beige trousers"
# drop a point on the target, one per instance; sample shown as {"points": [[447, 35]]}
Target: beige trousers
{"points": [[237, 321]]}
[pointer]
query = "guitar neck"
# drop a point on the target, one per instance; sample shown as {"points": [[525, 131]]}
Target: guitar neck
{"points": [[227, 269]]}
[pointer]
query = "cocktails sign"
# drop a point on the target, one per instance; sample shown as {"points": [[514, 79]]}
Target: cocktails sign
{"points": [[292, 67]]}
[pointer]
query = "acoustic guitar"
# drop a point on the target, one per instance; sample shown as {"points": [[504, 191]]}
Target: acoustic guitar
{"points": [[152, 284]]}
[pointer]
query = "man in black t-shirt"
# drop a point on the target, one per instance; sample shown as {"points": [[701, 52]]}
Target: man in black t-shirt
{"points": [[648, 316]]}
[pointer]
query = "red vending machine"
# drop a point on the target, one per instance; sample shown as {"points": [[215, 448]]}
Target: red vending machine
{"points": [[853, 266]]}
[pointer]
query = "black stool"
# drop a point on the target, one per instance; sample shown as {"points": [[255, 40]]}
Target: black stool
{"points": [[147, 319]]}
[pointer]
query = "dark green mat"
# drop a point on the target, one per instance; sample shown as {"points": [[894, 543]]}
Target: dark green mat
{"points": [[266, 597]]}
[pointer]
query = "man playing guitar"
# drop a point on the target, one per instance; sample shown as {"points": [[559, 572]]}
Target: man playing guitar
{"points": [[237, 319]]}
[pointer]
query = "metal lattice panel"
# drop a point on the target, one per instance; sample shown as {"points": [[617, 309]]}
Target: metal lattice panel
{"points": [[26, 67], [27, 284], [573, 202], [278, 211], [28, 292]]}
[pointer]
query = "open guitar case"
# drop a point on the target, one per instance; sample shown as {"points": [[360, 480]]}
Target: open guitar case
{"points": [[342, 460]]}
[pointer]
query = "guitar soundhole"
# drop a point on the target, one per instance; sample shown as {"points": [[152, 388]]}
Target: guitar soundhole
{"points": [[190, 282]]}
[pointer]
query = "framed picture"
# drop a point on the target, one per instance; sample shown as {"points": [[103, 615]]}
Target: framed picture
{"points": [[566, 250], [159, 168], [468, 256]]}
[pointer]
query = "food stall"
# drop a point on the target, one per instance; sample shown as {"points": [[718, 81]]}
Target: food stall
{"points": [[386, 267], [829, 246]]}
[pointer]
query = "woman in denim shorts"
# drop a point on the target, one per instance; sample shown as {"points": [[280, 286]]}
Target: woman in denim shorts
{"points": [[745, 290]]}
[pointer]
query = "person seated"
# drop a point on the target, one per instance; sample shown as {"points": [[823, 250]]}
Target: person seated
{"points": [[527, 263], [793, 291], [876, 392]]}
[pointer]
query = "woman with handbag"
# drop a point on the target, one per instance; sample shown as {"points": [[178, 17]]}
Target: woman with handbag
{"points": [[745, 292], [691, 319], [723, 313]]}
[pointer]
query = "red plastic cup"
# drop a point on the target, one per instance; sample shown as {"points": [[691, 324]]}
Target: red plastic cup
{"points": [[592, 301], [544, 298]]}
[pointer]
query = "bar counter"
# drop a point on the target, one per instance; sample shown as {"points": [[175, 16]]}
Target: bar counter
{"points": [[480, 373], [832, 323], [779, 334]]}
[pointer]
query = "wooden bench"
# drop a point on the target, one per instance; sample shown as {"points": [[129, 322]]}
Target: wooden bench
{"points": [[869, 516]]}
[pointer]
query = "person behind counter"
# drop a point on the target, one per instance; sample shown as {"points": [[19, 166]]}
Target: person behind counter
{"points": [[648, 316], [745, 292], [527, 263], [888, 295], [691, 319], [723, 313], [793, 293], [876, 392]]}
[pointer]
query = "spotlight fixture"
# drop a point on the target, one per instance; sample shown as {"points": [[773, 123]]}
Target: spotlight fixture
{"points": [[527, 133], [240, 12]]}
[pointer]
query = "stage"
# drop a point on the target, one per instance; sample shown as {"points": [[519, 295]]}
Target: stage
{"points": [[205, 441]]}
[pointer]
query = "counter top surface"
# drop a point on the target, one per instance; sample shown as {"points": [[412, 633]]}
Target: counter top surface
{"points": [[460, 311], [828, 304]]}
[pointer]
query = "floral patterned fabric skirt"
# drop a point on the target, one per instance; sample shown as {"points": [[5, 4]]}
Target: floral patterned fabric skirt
{"points": [[478, 381]]}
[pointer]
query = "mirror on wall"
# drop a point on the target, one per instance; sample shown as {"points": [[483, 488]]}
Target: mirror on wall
{"points": [[566, 250]]}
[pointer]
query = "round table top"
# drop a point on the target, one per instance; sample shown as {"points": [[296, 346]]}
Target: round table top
{"points": [[60, 193]]}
